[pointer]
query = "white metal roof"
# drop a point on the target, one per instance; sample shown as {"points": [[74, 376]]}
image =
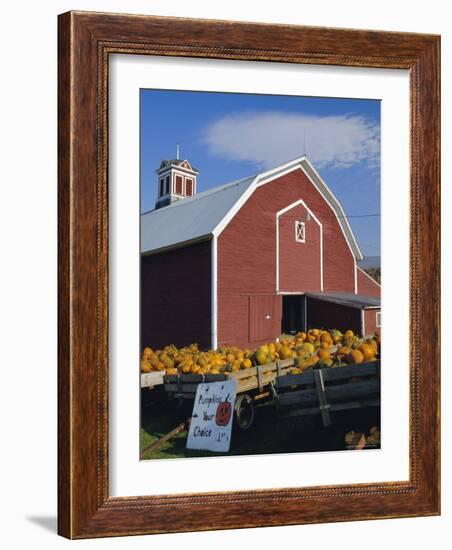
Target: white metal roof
{"points": [[189, 219], [209, 212]]}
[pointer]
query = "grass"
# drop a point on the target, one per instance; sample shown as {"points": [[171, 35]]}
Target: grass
{"points": [[268, 435], [157, 419]]}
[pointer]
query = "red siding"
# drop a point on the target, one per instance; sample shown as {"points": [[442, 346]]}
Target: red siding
{"points": [[247, 251], [264, 317], [370, 321], [299, 263], [233, 320], [176, 297], [367, 286]]}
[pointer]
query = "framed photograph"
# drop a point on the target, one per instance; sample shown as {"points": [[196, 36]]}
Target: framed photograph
{"points": [[248, 275]]}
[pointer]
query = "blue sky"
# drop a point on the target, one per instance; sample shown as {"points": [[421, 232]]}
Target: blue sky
{"points": [[229, 136]]}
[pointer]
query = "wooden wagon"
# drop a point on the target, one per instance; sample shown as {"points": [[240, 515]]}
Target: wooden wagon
{"points": [[253, 385], [328, 390], [151, 379], [319, 391]]}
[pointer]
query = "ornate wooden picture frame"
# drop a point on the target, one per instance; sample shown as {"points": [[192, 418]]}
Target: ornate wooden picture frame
{"points": [[86, 40]]}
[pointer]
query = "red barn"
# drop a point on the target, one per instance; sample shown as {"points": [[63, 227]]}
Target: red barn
{"points": [[241, 263]]}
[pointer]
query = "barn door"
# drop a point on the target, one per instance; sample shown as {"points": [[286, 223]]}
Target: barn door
{"points": [[264, 317], [294, 314]]}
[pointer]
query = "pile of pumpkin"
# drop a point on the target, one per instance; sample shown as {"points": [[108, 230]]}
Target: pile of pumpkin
{"points": [[320, 348], [191, 360]]}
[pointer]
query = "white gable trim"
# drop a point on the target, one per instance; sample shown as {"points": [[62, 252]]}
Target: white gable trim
{"points": [[339, 213], [244, 197], [334, 204], [311, 213], [163, 169], [303, 164], [368, 276]]}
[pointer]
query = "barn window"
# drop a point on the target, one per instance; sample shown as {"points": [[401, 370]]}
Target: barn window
{"points": [[300, 231], [162, 186], [178, 185], [188, 187], [378, 319], [167, 187]]}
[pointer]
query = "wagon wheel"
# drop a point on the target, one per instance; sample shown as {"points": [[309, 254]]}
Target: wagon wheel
{"points": [[244, 411]]}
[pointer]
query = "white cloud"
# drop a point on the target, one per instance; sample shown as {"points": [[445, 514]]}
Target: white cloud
{"points": [[273, 137]]}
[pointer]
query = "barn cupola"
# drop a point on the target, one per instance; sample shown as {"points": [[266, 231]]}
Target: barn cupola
{"points": [[176, 180]]}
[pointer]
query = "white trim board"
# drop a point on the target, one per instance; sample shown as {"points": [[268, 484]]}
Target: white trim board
{"points": [[314, 217], [368, 276], [355, 274], [215, 227], [378, 323], [304, 164], [214, 292]]}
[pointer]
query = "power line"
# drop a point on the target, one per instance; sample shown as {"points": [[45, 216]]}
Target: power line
{"points": [[361, 216], [343, 217]]}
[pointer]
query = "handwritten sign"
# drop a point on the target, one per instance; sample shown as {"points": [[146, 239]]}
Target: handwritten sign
{"points": [[211, 421]]}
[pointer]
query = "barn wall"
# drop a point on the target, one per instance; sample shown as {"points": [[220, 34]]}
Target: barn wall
{"points": [[367, 286], [327, 315], [264, 317], [299, 263], [370, 320], [247, 251], [233, 320], [176, 297]]}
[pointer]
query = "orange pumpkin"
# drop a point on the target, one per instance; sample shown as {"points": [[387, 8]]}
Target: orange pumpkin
{"points": [[223, 413], [145, 366], [324, 354], [355, 357], [368, 351]]}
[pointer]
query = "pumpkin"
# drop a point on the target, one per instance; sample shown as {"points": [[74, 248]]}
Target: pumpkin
{"points": [[145, 366], [262, 357], [223, 413], [324, 354], [322, 363], [284, 352], [325, 338], [368, 351], [306, 348], [342, 352], [355, 357]]}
